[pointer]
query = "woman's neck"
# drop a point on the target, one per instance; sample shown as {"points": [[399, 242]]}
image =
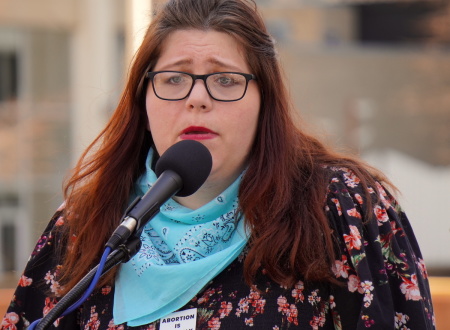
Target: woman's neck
{"points": [[207, 192], [194, 201]]}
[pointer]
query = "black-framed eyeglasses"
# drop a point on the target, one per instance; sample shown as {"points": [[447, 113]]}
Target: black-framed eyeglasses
{"points": [[221, 86]]}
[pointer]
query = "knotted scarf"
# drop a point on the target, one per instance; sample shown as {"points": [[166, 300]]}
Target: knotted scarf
{"points": [[182, 250]]}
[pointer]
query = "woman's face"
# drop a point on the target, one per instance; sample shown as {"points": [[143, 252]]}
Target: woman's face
{"points": [[227, 129]]}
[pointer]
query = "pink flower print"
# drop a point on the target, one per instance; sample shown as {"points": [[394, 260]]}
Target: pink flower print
{"points": [[225, 309], [351, 180], [314, 298], [293, 314], [290, 311], [205, 298], [25, 281], [150, 327], [9, 321], [56, 288], [40, 244], [253, 302], [283, 306], [422, 268], [297, 292], [106, 290], [332, 303], [381, 214], [48, 277], [353, 241], [249, 321], [401, 320], [394, 228], [256, 301], [410, 288], [382, 193], [354, 213], [367, 321], [59, 222], [367, 288], [314, 323], [354, 284], [359, 199], [111, 325], [254, 295], [49, 304], [321, 319], [214, 323], [94, 322], [341, 267], [338, 205], [259, 306], [242, 307]]}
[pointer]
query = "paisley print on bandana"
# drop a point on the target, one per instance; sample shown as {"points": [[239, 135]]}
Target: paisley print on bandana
{"points": [[181, 247]]}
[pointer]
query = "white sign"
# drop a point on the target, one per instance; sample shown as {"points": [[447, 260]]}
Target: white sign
{"points": [[182, 320]]}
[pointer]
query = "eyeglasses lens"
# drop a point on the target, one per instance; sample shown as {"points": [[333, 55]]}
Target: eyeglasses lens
{"points": [[221, 86]]}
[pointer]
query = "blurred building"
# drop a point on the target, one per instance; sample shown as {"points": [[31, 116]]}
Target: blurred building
{"points": [[369, 76], [374, 77], [61, 71]]}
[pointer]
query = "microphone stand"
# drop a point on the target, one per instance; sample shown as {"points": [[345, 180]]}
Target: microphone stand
{"points": [[122, 254], [125, 241]]}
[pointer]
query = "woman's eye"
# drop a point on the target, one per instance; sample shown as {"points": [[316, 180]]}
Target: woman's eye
{"points": [[225, 81], [175, 80]]}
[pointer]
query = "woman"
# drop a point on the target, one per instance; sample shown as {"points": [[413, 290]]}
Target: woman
{"points": [[285, 233]]}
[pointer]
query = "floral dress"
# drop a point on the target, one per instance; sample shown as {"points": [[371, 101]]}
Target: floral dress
{"points": [[383, 276]]}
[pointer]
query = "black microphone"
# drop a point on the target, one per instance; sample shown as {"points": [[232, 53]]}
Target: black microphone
{"points": [[181, 171]]}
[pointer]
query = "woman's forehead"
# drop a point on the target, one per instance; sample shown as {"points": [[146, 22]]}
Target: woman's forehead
{"points": [[187, 48]]}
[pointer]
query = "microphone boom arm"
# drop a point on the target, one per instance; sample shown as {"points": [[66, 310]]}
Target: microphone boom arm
{"points": [[145, 208], [122, 254]]}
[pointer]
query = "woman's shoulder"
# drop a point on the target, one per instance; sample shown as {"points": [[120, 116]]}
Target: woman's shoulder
{"points": [[358, 199], [346, 182], [38, 288], [51, 234], [378, 258]]}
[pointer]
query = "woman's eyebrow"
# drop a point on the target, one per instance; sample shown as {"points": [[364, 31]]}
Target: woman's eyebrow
{"points": [[211, 60]]}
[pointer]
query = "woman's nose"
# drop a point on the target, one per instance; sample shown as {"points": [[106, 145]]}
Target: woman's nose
{"points": [[199, 97]]}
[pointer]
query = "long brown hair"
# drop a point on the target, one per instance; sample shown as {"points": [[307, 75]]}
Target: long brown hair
{"points": [[282, 193]]}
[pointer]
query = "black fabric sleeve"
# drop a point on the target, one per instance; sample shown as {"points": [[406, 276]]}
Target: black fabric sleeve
{"points": [[38, 288], [385, 283]]}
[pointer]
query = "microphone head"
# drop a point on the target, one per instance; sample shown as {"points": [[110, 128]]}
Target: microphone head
{"points": [[191, 160]]}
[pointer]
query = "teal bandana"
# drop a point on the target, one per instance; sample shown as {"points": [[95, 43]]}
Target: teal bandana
{"points": [[182, 250]]}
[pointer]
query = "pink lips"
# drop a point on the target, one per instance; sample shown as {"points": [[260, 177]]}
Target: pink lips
{"points": [[197, 133]]}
